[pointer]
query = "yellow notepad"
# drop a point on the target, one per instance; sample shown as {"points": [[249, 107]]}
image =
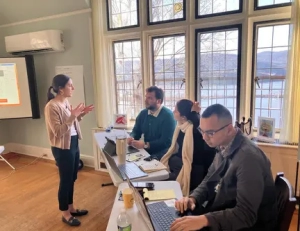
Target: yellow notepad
{"points": [[156, 195]]}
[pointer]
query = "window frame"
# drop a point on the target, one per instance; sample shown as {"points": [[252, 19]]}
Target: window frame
{"points": [[253, 60], [197, 16], [166, 21], [108, 28], [239, 27], [256, 7], [113, 42], [152, 75]]}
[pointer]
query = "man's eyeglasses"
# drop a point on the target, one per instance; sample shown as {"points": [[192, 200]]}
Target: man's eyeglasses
{"points": [[210, 133]]}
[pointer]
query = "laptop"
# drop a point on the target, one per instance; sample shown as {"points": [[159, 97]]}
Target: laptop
{"points": [[110, 147], [129, 169], [158, 215]]}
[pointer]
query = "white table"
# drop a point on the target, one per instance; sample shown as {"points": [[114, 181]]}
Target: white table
{"points": [[2, 158], [101, 141], [138, 223]]}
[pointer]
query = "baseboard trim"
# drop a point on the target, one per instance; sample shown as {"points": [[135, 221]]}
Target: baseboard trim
{"points": [[35, 151]]}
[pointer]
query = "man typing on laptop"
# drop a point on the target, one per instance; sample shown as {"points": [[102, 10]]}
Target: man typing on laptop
{"points": [[238, 192]]}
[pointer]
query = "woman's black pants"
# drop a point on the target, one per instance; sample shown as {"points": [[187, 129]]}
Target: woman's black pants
{"points": [[68, 162]]}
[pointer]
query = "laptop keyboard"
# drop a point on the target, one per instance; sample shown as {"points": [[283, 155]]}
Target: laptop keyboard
{"points": [[131, 170], [161, 214]]}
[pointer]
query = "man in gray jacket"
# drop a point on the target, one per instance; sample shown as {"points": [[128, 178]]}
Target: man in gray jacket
{"points": [[238, 192]]}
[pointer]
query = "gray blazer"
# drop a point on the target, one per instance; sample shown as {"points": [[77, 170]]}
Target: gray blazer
{"points": [[238, 192]]}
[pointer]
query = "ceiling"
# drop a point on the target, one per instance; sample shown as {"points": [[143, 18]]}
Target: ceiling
{"points": [[12, 11]]}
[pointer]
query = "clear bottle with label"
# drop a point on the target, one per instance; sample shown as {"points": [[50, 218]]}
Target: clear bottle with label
{"points": [[124, 221]]}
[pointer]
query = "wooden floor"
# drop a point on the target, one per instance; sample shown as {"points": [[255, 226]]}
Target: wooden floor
{"points": [[28, 197]]}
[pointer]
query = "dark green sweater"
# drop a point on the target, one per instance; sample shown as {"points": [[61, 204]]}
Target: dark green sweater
{"points": [[158, 131]]}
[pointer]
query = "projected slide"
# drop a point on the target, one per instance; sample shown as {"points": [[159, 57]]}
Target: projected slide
{"points": [[9, 89]]}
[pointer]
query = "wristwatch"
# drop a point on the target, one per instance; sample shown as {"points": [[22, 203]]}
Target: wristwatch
{"points": [[146, 145]]}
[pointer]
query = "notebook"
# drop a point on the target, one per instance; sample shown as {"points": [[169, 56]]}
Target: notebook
{"points": [[156, 195], [134, 157], [152, 166]]}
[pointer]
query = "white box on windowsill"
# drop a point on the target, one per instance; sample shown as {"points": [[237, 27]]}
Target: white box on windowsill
{"points": [[120, 121]]}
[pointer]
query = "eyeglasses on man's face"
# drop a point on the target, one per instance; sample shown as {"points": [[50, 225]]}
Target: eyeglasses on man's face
{"points": [[211, 133]]}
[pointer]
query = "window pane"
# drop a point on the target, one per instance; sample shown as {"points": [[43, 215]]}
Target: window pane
{"points": [[166, 10], [264, 3], [122, 13], [271, 65], [128, 79], [169, 67], [217, 65], [211, 7]]}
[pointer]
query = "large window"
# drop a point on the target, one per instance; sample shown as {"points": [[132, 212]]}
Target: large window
{"points": [[122, 14], [218, 67], [212, 51], [169, 67], [128, 79], [272, 44], [163, 11]]}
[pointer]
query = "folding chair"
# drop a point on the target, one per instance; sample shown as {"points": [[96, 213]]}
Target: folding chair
{"points": [[2, 158]]}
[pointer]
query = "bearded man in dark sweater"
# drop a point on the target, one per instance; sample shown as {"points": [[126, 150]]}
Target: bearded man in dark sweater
{"points": [[156, 123]]}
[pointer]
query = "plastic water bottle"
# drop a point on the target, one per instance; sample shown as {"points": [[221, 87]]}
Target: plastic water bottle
{"points": [[124, 221]]}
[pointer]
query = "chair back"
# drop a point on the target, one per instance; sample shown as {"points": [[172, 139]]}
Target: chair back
{"points": [[286, 202], [245, 127]]}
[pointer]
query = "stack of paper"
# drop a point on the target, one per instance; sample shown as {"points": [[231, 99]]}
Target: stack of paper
{"points": [[152, 166]]}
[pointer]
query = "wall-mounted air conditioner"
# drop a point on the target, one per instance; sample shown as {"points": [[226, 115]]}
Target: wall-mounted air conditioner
{"points": [[35, 42]]}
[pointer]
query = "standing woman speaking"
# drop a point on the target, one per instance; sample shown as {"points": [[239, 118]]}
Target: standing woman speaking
{"points": [[62, 123]]}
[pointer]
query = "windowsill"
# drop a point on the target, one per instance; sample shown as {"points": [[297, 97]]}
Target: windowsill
{"points": [[275, 144], [260, 143]]}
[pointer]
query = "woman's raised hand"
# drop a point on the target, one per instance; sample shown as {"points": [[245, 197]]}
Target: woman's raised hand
{"points": [[77, 110], [196, 107]]}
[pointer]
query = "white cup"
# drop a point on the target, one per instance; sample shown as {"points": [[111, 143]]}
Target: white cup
{"points": [[121, 149]]}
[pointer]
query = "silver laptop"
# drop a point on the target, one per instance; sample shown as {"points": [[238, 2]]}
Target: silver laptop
{"points": [[158, 216], [129, 169], [110, 147]]}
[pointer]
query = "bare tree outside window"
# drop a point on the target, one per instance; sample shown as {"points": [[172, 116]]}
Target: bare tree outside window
{"points": [[212, 7], [166, 10], [169, 67], [128, 79], [123, 13], [217, 68]]}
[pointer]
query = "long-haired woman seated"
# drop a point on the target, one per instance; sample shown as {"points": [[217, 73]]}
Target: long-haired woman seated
{"points": [[189, 157]]}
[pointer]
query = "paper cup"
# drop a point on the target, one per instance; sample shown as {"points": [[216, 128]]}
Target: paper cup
{"points": [[127, 195]]}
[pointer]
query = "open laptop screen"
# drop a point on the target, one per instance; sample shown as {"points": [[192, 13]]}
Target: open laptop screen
{"points": [[110, 147], [140, 204], [112, 164]]}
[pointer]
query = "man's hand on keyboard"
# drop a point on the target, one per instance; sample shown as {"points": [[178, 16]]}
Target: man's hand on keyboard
{"points": [[189, 223], [185, 203]]}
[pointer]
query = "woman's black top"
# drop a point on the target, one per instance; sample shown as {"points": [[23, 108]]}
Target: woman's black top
{"points": [[202, 157]]}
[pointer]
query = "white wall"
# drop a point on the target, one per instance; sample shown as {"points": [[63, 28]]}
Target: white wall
{"points": [[77, 37]]}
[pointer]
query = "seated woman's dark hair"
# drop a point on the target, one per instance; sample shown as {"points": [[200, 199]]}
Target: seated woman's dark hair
{"points": [[58, 82], [184, 107]]}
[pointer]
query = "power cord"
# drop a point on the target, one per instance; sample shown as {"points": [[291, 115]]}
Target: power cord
{"points": [[32, 162]]}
